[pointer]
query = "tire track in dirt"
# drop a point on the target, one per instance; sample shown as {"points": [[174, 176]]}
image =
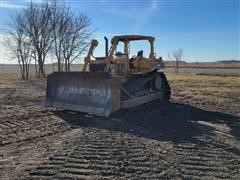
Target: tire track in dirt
{"points": [[25, 123], [19, 156], [104, 154], [207, 159]]}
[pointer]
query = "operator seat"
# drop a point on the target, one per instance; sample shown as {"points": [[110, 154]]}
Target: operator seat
{"points": [[140, 53]]}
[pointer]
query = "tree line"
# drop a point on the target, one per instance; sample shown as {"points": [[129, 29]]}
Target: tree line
{"points": [[47, 29]]}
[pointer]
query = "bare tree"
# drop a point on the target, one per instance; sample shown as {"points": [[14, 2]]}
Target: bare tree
{"points": [[71, 35], [176, 55], [50, 27], [20, 45], [38, 28], [58, 22]]}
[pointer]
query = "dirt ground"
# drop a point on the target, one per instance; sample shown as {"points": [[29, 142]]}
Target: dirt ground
{"points": [[195, 136]]}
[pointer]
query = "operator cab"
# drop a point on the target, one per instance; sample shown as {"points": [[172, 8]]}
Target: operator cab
{"points": [[121, 62]]}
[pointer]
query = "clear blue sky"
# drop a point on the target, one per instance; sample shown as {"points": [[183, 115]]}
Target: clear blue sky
{"points": [[207, 30]]}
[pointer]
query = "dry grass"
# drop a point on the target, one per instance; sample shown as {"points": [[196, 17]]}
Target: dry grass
{"points": [[202, 89], [207, 66], [9, 78], [15, 78]]}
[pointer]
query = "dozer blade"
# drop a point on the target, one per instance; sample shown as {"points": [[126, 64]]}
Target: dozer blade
{"points": [[91, 92]]}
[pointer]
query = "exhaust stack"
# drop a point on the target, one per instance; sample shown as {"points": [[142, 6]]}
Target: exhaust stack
{"points": [[106, 46]]}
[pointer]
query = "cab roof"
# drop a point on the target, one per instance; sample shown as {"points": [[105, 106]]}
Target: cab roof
{"points": [[132, 38]]}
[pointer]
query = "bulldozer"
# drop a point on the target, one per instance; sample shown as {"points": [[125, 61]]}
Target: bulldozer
{"points": [[109, 83]]}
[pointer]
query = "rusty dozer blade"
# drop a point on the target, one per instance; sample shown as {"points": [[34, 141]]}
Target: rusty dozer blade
{"points": [[91, 92]]}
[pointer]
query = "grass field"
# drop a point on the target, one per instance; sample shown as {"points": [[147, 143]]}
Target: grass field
{"points": [[13, 70], [202, 90], [206, 65]]}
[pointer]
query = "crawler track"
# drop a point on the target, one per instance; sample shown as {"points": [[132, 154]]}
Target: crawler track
{"points": [[141, 82]]}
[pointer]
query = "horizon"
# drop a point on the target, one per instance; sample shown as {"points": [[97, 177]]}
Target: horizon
{"points": [[208, 31], [167, 60]]}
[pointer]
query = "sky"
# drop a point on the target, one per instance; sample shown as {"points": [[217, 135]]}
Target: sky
{"points": [[207, 30]]}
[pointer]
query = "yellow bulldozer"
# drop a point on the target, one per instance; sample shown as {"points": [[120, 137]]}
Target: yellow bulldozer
{"points": [[109, 83]]}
